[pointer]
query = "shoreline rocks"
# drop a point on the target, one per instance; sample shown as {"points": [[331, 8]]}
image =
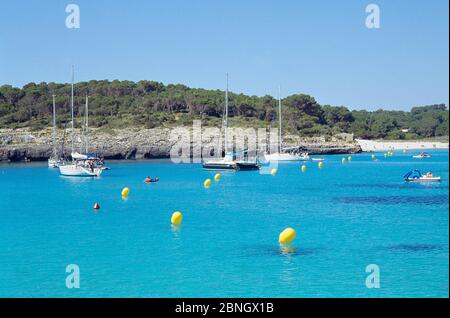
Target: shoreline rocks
{"points": [[129, 144]]}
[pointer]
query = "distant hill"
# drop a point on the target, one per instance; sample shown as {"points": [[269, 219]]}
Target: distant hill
{"points": [[121, 104]]}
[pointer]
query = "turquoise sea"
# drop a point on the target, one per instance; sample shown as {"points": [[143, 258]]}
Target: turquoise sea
{"points": [[347, 216]]}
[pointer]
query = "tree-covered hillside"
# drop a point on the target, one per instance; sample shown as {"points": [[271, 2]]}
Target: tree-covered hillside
{"points": [[120, 104]]}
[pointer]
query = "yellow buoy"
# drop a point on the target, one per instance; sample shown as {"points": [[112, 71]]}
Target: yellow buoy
{"points": [[287, 236], [273, 172], [349, 158], [303, 168], [207, 183], [373, 156], [344, 160], [320, 164], [385, 154], [176, 218], [217, 176], [125, 192]]}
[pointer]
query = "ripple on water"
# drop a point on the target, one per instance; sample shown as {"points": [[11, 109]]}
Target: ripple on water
{"points": [[413, 247], [394, 200], [406, 186], [282, 250]]}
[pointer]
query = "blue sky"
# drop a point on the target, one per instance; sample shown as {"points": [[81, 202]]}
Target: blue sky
{"points": [[319, 47]]}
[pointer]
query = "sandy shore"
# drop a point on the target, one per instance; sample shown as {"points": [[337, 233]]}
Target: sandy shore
{"points": [[385, 145]]}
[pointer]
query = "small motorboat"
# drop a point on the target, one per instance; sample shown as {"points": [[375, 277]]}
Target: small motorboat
{"points": [[422, 155], [417, 176], [151, 180]]}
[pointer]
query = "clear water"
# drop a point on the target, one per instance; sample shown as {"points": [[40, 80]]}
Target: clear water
{"points": [[346, 217]]}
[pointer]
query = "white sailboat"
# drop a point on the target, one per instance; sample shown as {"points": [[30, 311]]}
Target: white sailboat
{"points": [[54, 161], [83, 165], [282, 154]]}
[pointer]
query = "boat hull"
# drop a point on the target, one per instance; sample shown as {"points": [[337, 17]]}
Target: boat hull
{"points": [[432, 179], [247, 166], [285, 157], [77, 171], [220, 166]]}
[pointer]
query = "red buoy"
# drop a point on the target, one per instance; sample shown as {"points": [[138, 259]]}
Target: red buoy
{"points": [[96, 206]]}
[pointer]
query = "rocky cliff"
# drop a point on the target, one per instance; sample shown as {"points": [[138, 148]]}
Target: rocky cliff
{"points": [[23, 144]]}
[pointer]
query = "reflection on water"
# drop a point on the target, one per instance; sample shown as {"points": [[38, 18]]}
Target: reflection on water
{"points": [[405, 185], [288, 269], [176, 229], [78, 180], [388, 200], [287, 249], [283, 249], [414, 247]]}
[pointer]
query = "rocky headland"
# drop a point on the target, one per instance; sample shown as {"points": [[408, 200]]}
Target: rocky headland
{"points": [[133, 143]]}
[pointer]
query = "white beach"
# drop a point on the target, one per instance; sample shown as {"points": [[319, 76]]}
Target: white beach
{"points": [[385, 145]]}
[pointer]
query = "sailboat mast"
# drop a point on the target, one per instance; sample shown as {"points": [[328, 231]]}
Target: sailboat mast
{"points": [[54, 127], [279, 118], [226, 117], [86, 123], [71, 107]]}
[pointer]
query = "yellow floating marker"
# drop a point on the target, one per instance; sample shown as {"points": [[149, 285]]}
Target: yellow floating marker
{"points": [[373, 156], [217, 176], [320, 164], [287, 236], [349, 158], [125, 192], [273, 172], [303, 168], [176, 218], [344, 160], [207, 183], [385, 155]]}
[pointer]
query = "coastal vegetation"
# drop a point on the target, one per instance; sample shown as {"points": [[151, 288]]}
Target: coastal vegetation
{"points": [[149, 104]]}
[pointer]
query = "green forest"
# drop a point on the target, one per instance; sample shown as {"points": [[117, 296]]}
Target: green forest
{"points": [[149, 104]]}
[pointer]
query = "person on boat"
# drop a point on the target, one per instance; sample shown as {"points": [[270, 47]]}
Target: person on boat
{"points": [[429, 175], [91, 165]]}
